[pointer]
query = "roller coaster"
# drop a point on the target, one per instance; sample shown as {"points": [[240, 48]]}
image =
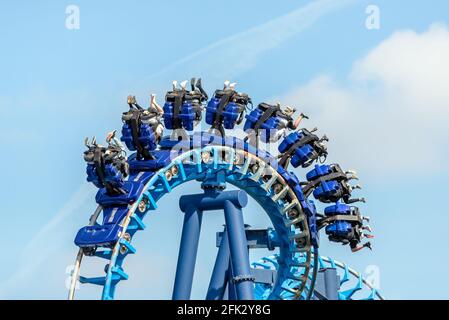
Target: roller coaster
{"points": [[129, 188]]}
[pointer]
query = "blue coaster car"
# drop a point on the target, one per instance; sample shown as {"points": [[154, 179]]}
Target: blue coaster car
{"points": [[226, 109], [183, 108], [112, 175], [106, 167], [115, 209], [338, 229], [337, 209], [329, 184], [179, 114], [302, 148], [104, 235], [328, 190], [345, 227], [189, 115], [267, 121], [145, 136], [318, 171], [138, 130]]}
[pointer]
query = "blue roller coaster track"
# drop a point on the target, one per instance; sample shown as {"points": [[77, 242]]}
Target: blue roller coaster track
{"points": [[350, 284], [294, 272]]}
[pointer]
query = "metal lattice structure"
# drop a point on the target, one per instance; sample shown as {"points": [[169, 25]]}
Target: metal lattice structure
{"points": [[350, 284]]}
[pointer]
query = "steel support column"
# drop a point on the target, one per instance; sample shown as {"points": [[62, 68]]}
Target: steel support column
{"points": [[187, 253]]}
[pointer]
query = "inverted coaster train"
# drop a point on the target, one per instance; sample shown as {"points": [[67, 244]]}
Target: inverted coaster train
{"points": [[130, 187]]}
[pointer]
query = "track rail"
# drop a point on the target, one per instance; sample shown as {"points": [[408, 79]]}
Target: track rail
{"points": [[353, 286], [248, 171]]}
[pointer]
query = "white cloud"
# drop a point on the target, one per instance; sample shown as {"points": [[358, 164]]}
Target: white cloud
{"points": [[392, 116]]}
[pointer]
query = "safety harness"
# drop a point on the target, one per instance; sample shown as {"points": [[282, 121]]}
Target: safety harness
{"points": [[133, 119], [99, 163], [177, 96], [306, 139], [226, 96], [269, 111], [338, 175]]}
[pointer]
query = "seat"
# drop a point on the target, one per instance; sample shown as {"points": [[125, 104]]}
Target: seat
{"points": [[98, 235], [134, 189]]}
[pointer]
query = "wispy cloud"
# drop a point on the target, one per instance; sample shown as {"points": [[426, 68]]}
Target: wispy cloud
{"points": [[45, 245], [391, 117], [236, 54], [225, 58]]}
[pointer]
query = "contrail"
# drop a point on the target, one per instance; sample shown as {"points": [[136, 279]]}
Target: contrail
{"points": [[47, 242], [233, 55], [226, 58]]}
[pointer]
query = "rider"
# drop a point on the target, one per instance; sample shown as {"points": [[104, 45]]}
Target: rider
{"points": [[107, 166], [329, 183], [142, 128], [226, 109], [183, 108], [153, 116], [344, 224], [287, 118]]}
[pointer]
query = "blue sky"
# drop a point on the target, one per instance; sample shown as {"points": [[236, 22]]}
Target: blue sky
{"points": [[378, 94]]}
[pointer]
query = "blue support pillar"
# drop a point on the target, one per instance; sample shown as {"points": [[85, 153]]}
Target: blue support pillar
{"points": [[331, 281], [187, 253], [221, 272], [238, 246], [327, 284], [239, 276], [232, 294]]}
